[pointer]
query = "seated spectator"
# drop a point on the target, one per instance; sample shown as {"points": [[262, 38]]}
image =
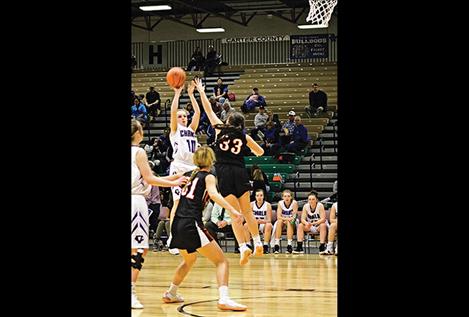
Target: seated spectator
{"points": [[197, 60], [287, 213], [270, 142], [153, 102], [313, 219], [332, 230], [212, 61], [139, 111], [227, 109], [299, 137], [258, 182], [220, 221], [220, 90], [287, 129], [216, 106], [317, 101], [260, 122], [253, 100], [263, 212]]}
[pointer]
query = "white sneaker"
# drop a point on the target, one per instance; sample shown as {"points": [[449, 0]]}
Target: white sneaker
{"points": [[229, 304], [170, 298], [174, 251], [244, 253], [336, 249], [259, 249], [135, 303]]}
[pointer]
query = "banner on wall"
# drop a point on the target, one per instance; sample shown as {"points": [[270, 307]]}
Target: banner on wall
{"points": [[309, 46], [252, 39]]}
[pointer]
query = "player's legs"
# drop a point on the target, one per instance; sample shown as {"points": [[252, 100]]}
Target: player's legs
{"points": [[247, 235], [246, 210], [238, 231], [331, 238], [278, 233], [214, 254], [290, 229], [188, 260]]}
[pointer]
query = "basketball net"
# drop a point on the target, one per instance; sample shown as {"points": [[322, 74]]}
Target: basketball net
{"points": [[321, 12]]}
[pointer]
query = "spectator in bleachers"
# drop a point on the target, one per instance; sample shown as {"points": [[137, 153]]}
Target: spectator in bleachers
{"points": [[153, 102], [220, 221], [227, 109], [332, 230], [287, 129], [317, 101], [253, 100], [258, 182], [216, 106], [260, 123], [263, 212], [139, 111], [197, 60], [212, 60], [287, 213], [299, 137], [270, 143], [220, 90], [313, 220]]}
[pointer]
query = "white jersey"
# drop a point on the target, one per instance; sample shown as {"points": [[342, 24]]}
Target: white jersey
{"points": [[286, 212], [184, 143], [259, 212], [139, 187], [312, 216]]}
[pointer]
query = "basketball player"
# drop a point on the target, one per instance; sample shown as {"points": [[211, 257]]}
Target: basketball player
{"points": [[332, 230], [142, 178], [231, 145], [287, 209], [190, 235], [263, 213], [184, 142], [313, 219]]}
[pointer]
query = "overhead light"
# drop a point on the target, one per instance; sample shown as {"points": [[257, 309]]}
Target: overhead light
{"points": [[210, 30], [155, 8], [312, 26]]}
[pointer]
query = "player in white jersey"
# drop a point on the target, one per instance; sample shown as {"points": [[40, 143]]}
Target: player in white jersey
{"points": [[313, 219], [142, 179], [287, 214], [184, 142], [263, 212], [332, 230]]}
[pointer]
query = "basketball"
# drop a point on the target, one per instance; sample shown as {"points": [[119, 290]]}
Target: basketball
{"points": [[176, 77]]}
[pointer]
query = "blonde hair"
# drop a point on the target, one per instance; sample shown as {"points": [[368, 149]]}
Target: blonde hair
{"points": [[203, 157], [287, 191]]}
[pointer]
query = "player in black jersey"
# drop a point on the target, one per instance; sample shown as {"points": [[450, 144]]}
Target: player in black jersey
{"points": [[188, 233], [231, 145]]}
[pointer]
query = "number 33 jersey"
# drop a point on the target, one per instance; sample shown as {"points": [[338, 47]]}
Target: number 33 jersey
{"points": [[184, 143], [231, 147]]}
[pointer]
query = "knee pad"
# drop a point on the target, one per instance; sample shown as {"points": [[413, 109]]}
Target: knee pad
{"points": [[136, 261]]}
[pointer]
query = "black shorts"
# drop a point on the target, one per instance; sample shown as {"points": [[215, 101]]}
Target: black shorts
{"points": [[187, 234], [232, 179]]}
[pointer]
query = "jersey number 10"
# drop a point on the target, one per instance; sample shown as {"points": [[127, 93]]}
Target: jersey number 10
{"points": [[191, 145]]}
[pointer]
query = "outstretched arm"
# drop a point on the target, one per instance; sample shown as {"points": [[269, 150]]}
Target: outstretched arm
{"points": [[174, 109], [255, 148], [206, 104], [168, 181], [195, 119]]}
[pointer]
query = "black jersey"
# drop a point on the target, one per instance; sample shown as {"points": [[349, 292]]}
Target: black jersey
{"points": [[231, 147], [194, 197]]}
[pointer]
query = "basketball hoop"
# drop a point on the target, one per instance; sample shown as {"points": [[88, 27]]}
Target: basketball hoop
{"points": [[321, 12]]}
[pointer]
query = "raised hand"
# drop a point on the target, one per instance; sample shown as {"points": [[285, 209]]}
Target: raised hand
{"points": [[190, 89], [198, 84]]}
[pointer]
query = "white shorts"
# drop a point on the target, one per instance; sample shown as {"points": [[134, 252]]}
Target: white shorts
{"points": [[315, 229], [139, 224], [175, 168]]}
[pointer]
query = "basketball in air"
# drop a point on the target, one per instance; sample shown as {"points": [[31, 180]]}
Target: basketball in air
{"points": [[176, 77]]}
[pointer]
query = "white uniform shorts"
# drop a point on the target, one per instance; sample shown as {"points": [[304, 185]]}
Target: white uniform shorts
{"points": [[139, 224]]}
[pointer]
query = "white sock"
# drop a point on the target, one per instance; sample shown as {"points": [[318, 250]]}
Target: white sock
{"points": [[265, 243], [277, 241], [256, 239], [242, 246], [173, 289], [132, 285], [289, 241], [223, 292], [329, 245]]}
